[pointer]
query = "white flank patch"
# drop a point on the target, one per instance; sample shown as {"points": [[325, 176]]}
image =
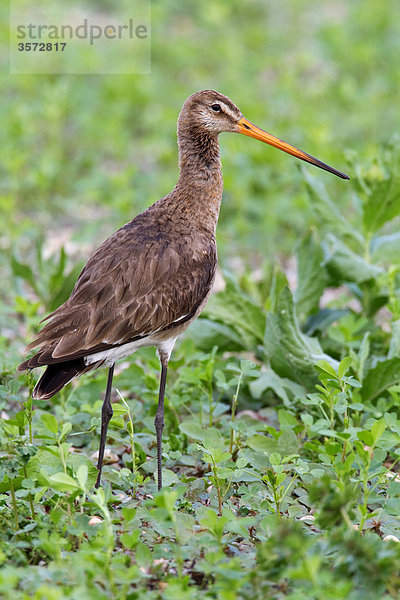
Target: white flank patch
{"points": [[113, 354]]}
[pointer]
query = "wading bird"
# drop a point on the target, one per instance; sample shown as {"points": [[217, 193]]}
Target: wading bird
{"points": [[148, 281]]}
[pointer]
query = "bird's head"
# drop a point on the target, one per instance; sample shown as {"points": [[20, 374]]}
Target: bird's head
{"points": [[210, 112]]}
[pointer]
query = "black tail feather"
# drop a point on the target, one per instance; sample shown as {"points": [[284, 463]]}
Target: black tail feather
{"points": [[59, 374]]}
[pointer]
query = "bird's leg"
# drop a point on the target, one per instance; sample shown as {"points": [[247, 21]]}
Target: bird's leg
{"points": [[106, 414], [159, 420]]}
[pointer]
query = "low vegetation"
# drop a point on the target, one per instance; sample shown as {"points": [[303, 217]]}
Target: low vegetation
{"points": [[281, 444]]}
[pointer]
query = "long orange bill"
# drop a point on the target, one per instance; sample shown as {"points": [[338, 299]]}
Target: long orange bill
{"points": [[248, 128]]}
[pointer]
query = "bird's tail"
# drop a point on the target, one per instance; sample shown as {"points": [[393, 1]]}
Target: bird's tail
{"points": [[57, 375]]}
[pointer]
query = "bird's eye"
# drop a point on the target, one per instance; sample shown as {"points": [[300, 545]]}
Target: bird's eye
{"points": [[216, 107]]}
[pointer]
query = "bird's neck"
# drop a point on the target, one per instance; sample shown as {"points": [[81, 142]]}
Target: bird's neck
{"points": [[198, 153], [200, 178]]}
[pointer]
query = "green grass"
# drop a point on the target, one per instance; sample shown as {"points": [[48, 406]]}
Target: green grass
{"points": [[281, 443]]}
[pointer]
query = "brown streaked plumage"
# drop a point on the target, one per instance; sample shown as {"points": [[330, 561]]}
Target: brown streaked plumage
{"points": [[148, 281]]}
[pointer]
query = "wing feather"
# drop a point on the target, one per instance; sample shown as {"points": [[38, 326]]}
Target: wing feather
{"points": [[139, 281]]}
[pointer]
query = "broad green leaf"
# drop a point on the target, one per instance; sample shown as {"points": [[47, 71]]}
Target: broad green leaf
{"points": [[50, 422], [66, 428], [377, 429], [193, 430], [311, 276], [241, 462], [119, 410], [327, 368], [236, 309], [280, 478], [392, 506], [218, 455], [378, 379], [379, 189], [343, 264], [356, 406], [213, 440], [262, 443], [353, 382], [292, 354], [281, 386], [366, 437], [143, 555], [255, 458], [63, 482], [307, 419], [279, 282], [5, 483], [326, 210], [390, 419], [248, 368], [286, 444], [130, 540], [25, 272], [241, 475], [75, 460], [344, 366], [44, 461], [389, 442], [169, 478], [287, 420], [207, 334], [386, 248], [128, 513], [275, 458], [340, 405], [225, 472], [185, 524], [82, 475]]}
